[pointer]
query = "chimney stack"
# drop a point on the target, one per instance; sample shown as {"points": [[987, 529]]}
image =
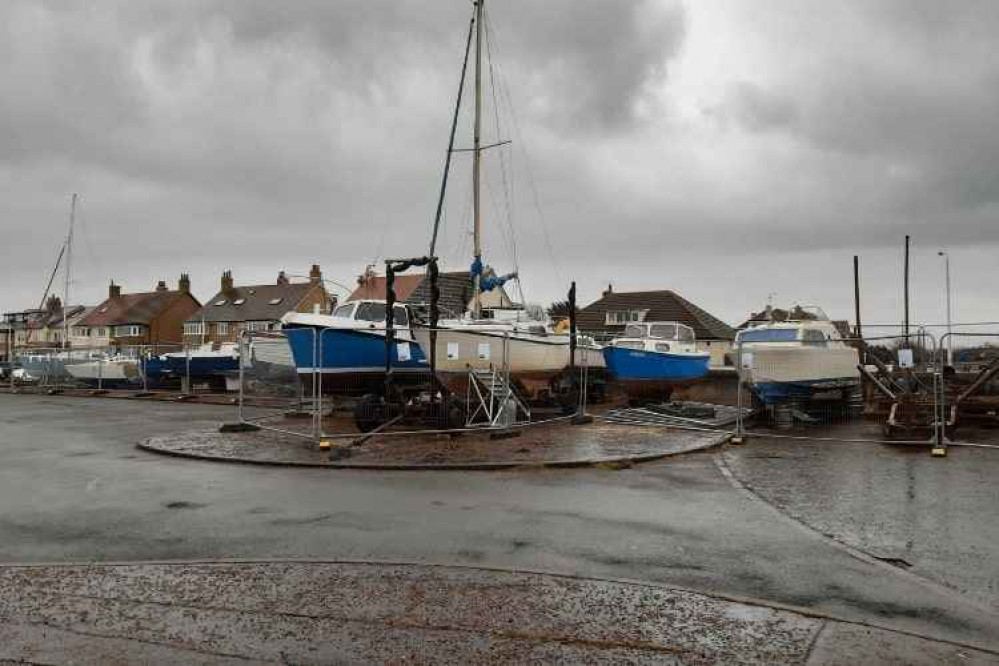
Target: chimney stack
{"points": [[282, 278], [315, 275], [114, 290], [161, 285], [609, 290], [184, 283], [53, 304], [226, 282]]}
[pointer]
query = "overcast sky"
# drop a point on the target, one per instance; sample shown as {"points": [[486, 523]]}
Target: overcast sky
{"points": [[731, 151]]}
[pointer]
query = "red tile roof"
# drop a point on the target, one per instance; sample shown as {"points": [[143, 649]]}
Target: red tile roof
{"points": [[140, 308], [374, 287]]}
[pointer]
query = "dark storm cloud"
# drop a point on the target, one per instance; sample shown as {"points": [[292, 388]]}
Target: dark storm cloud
{"points": [[266, 134]]}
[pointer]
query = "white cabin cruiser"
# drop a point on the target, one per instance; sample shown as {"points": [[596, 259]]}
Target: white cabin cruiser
{"points": [[796, 358]]}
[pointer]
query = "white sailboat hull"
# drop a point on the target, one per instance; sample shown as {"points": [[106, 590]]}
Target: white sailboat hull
{"points": [[533, 360], [114, 370]]}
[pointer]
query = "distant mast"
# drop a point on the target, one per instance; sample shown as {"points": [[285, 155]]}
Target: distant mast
{"points": [[476, 214], [69, 263]]}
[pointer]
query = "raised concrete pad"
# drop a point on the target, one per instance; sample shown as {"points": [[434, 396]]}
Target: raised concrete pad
{"points": [[313, 612], [550, 445]]}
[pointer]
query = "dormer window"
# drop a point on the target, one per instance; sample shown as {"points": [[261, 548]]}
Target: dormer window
{"points": [[220, 303], [621, 317], [239, 301], [275, 301]]}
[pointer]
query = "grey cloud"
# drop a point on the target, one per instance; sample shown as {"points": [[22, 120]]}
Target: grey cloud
{"points": [[760, 110]]}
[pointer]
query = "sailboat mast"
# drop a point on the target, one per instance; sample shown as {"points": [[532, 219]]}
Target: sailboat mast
{"points": [[476, 151], [69, 264]]}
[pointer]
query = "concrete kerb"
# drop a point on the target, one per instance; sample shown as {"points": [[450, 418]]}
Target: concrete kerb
{"points": [[622, 461]]}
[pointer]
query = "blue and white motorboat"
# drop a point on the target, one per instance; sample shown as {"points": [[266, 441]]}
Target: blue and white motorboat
{"points": [[347, 349], [796, 358], [650, 359], [208, 361]]}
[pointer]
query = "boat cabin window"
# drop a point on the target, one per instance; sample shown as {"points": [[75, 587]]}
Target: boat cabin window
{"points": [[662, 346], [375, 312], [813, 338], [634, 331], [769, 335], [344, 310], [685, 334], [664, 331], [629, 344], [370, 312]]}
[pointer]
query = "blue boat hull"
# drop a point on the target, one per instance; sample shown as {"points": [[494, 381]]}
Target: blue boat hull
{"points": [[772, 393], [352, 363], [201, 366], [647, 374]]}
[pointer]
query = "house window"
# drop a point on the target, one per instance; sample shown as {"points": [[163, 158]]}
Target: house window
{"points": [[129, 331], [80, 331], [620, 317], [222, 328], [193, 328], [258, 326]]}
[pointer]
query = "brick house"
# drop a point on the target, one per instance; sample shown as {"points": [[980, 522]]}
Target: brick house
{"points": [[609, 315], [147, 318], [254, 308]]}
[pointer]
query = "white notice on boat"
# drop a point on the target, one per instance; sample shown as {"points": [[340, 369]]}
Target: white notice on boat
{"points": [[452, 351], [484, 351], [402, 350]]}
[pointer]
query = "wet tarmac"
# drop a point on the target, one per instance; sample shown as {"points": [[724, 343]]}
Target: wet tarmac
{"points": [[936, 517], [75, 489]]}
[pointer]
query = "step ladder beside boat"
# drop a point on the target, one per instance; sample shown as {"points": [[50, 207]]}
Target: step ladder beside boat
{"points": [[493, 400]]}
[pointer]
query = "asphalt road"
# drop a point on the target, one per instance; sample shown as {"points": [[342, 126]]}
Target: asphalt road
{"points": [[73, 488]]}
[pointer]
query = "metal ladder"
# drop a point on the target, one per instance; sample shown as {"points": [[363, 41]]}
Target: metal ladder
{"points": [[491, 397]]}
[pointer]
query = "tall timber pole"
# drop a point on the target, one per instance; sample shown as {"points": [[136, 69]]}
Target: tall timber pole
{"points": [[905, 329], [856, 297], [476, 156], [69, 266]]}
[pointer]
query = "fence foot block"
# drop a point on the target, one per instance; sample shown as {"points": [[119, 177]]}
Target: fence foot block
{"points": [[238, 427], [141, 394], [939, 451], [504, 434], [53, 391], [582, 419], [184, 397], [298, 414], [737, 439]]}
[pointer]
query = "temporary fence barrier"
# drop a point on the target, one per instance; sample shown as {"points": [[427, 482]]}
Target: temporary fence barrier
{"points": [[270, 392], [339, 383]]}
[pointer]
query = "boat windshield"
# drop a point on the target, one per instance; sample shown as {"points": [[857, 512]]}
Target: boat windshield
{"points": [[664, 331], [769, 335], [634, 331], [629, 344], [375, 312], [344, 310]]}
